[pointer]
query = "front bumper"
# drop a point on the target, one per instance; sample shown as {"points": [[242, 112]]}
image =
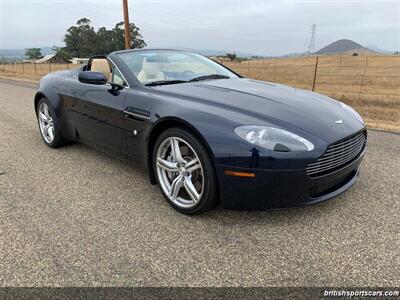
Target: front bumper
{"points": [[277, 189]]}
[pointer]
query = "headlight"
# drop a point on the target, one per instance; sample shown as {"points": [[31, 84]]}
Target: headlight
{"points": [[352, 111], [273, 138]]}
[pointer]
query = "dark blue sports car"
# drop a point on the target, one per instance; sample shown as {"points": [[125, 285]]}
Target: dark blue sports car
{"points": [[205, 134]]}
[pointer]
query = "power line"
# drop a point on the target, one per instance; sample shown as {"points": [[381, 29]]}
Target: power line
{"points": [[311, 46]]}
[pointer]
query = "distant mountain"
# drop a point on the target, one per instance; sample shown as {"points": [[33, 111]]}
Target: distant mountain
{"points": [[295, 54], [342, 46], [377, 49], [213, 52], [209, 52], [20, 53]]}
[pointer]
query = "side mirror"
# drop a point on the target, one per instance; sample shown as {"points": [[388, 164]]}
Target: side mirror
{"points": [[92, 77]]}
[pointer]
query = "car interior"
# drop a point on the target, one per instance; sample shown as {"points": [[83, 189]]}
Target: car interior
{"points": [[151, 71], [152, 67]]}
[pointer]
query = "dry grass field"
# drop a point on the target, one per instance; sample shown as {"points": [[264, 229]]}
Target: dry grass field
{"points": [[30, 71], [370, 84]]}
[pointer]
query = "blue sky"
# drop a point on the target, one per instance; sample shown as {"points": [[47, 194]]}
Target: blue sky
{"points": [[255, 26]]}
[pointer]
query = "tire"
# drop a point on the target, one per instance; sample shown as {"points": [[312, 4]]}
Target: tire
{"points": [[197, 192], [52, 136]]}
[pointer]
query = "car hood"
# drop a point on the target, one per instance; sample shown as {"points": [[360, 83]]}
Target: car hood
{"points": [[255, 102]]}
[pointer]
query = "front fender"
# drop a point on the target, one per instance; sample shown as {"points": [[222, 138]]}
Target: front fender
{"points": [[48, 88]]}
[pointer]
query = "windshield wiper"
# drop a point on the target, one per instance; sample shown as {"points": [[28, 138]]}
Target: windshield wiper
{"points": [[205, 77], [211, 76], [164, 82]]}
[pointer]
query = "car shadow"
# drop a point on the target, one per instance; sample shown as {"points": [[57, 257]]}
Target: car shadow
{"points": [[218, 215]]}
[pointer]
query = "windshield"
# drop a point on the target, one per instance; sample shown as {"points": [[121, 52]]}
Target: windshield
{"points": [[169, 66]]}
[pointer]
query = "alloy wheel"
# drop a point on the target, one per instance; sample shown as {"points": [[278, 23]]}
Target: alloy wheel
{"points": [[46, 123], [180, 172]]}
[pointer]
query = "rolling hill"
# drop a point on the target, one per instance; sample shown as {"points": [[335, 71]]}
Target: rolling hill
{"points": [[20, 53], [343, 46]]}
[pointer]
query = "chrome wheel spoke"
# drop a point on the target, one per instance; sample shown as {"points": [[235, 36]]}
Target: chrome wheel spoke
{"points": [[42, 116], [168, 166], [192, 162], [193, 165], [50, 132], [46, 130], [46, 111], [176, 150], [175, 187], [190, 189]]}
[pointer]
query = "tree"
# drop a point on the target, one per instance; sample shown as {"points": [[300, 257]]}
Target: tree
{"points": [[33, 53], [231, 56], [80, 40], [136, 37], [104, 41], [83, 41]]}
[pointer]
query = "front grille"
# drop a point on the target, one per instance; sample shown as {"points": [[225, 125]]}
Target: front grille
{"points": [[338, 155]]}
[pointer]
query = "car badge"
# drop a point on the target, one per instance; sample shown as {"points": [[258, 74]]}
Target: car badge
{"points": [[339, 121]]}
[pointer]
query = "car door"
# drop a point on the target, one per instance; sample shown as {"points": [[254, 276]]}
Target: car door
{"points": [[137, 123], [99, 113]]}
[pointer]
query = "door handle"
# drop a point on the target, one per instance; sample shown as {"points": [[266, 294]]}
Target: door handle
{"points": [[136, 114]]}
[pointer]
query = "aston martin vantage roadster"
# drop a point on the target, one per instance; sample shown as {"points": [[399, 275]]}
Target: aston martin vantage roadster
{"points": [[206, 135]]}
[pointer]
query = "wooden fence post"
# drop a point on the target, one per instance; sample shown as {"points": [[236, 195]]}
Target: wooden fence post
{"points": [[248, 68], [12, 67], [275, 70], [315, 74], [22, 65], [34, 66], [49, 66], [67, 66], [363, 77]]}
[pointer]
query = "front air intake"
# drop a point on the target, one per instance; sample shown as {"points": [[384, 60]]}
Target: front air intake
{"points": [[338, 155]]}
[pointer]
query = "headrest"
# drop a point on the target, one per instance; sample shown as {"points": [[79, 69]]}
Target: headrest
{"points": [[150, 67], [157, 59], [101, 65]]}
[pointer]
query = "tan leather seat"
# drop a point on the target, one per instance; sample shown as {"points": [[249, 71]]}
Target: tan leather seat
{"points": [[101, 65], [151, 71]]}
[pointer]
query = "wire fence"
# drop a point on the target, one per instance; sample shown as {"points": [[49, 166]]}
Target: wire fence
{"points": [[362, 75], [33, 70], [349, 76], [371, 84]]}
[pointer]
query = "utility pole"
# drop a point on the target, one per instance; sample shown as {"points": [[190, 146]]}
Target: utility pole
{"points": [[126, 23]]}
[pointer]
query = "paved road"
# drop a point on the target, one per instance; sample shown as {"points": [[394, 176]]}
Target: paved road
{"points": [[74, 216]]}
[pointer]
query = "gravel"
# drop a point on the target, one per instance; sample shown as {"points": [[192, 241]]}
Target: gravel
{"points": [[76, 217]]}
